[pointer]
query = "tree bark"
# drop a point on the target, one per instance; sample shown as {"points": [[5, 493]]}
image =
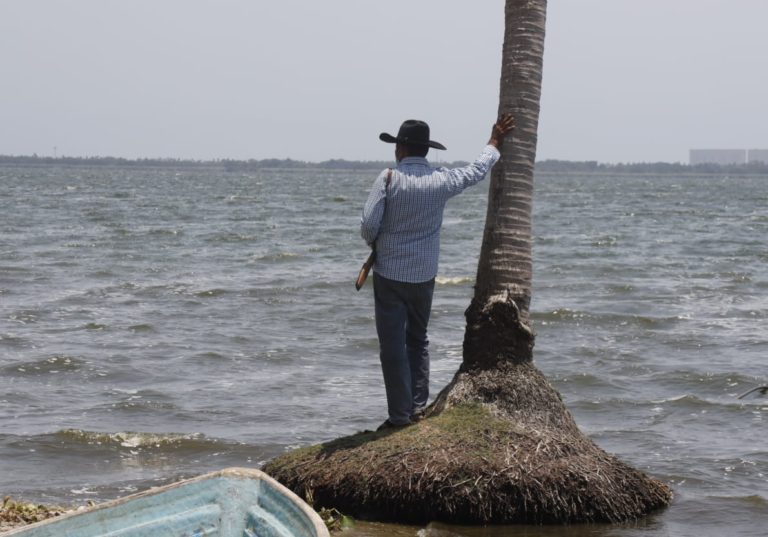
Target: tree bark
{"points": [[498, 327]]}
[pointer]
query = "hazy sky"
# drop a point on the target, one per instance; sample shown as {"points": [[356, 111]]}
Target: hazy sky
{"points": [[624, 80]]}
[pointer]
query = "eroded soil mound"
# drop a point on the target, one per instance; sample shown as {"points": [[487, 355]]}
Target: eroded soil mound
{"points": [[498, 447]]}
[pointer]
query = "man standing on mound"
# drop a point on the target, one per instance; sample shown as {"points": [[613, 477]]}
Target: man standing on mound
{"points": [[401, 221]]}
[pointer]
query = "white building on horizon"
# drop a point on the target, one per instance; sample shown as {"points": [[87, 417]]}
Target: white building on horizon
{"points": [[717, 156], [757, 155]]}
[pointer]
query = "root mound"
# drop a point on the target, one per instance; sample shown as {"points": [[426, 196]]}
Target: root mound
{"points": [[498, 446]]}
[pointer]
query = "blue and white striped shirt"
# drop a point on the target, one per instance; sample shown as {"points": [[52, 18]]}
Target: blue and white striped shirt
{"points": [[407, 233]]}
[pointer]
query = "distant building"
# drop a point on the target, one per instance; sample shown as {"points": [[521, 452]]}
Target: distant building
{"points": [[718, 156], [757, 155]]}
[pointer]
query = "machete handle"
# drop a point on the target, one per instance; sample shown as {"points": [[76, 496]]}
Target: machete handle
{"points": [[366, 268]]}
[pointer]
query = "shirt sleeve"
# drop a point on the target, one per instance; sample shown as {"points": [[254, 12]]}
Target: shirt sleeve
{"points": [[373, 211], [459, 179]]}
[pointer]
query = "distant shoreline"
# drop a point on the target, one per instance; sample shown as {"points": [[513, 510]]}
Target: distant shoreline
{"points": [[553, 167]]}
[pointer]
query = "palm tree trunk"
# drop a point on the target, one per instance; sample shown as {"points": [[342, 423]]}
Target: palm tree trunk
{"points": [[498, 326]]}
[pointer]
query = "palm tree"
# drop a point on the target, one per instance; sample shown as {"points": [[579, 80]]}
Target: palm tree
{"points": [[505, 268], [498, 445], [498, 332]]}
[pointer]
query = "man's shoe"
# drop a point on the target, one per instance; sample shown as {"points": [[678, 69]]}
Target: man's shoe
{"points": [[418, 415], [389, 425]]}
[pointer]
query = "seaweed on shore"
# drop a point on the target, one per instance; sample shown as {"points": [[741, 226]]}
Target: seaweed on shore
{"points": [[14, 514]]}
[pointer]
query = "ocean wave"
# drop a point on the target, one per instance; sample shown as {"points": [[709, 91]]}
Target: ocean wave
{"points": [[686, 399], [25, 316], [54, 364], [559, 314], [700, 403], [142, 328], [457, 280], [277, 257], [12, 269], [586, 380], [239, 199], [102, 273], [729, 383], [13, 341], [210, 356], [212, 293], [229, 238], [141, 405], [686, 402], [606, 241], [753, 500], [96, 327], [606, 319], [140, 440], [165, 232], [620, 289]]}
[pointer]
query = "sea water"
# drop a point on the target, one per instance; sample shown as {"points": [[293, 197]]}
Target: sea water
{"points": [[159, 323]]}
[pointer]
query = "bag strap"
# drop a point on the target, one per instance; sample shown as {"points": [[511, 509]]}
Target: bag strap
{"points": [[387, 182], [363, 275]]}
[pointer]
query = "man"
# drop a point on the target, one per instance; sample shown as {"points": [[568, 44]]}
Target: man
{"points": [[401, 221]]}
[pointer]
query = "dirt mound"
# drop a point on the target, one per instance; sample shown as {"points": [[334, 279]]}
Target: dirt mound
{"points": [[498, 447]]}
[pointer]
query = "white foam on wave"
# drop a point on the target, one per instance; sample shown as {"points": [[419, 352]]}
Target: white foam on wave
{"points": [[457, 280], [130, 439]]}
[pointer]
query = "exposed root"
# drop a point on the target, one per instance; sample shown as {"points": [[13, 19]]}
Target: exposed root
{"points": [[496, 333]]}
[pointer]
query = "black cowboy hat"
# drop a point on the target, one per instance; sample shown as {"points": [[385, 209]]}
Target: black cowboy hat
{"points": [[412, 132]]}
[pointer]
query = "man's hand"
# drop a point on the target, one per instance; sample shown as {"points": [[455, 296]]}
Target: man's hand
{"points": [[505, 124]]}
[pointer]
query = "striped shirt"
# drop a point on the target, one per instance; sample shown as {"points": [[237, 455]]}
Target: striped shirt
{"points": [[404, 220]]}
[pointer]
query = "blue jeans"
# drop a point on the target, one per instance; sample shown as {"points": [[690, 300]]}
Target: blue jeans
{"points": [[402, 315]]}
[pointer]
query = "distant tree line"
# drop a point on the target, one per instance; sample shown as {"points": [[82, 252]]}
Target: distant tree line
{"points": [[34, 160], [333, 164], [545, 166], [229, 165]]}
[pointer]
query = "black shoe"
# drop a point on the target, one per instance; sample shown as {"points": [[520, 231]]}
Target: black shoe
{"points": [[418, 415], [389, 425]]}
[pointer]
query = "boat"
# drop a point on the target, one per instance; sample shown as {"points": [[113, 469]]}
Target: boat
{"points": [[235, 502]]}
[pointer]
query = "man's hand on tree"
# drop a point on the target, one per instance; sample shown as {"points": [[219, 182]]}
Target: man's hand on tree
{"points": [[505, 124]]}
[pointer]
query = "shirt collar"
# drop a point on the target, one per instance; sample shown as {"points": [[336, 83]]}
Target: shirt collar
{"points": [[410, 161]]}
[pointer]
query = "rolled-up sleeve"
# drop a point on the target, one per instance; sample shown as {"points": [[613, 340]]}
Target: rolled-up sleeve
{"points": [[458, 179], [373, 211]]}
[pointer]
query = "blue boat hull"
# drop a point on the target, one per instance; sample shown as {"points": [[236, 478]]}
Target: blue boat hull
{"points": [[236, 502]]}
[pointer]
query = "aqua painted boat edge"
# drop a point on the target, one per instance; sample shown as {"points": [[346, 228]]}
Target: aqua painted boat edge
{"points": [[240, 502]]}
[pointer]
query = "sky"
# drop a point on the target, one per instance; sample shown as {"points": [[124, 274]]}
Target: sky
{"points": [[624, 80]]}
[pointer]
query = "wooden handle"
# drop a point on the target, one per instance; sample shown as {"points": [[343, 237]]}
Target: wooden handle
{"points": [[366, 268]]}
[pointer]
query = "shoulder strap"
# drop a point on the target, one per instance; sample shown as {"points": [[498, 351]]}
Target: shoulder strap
{"points": [[387, 181]]}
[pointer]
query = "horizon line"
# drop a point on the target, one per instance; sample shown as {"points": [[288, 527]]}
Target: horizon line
{"points": [[216, 160]]}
